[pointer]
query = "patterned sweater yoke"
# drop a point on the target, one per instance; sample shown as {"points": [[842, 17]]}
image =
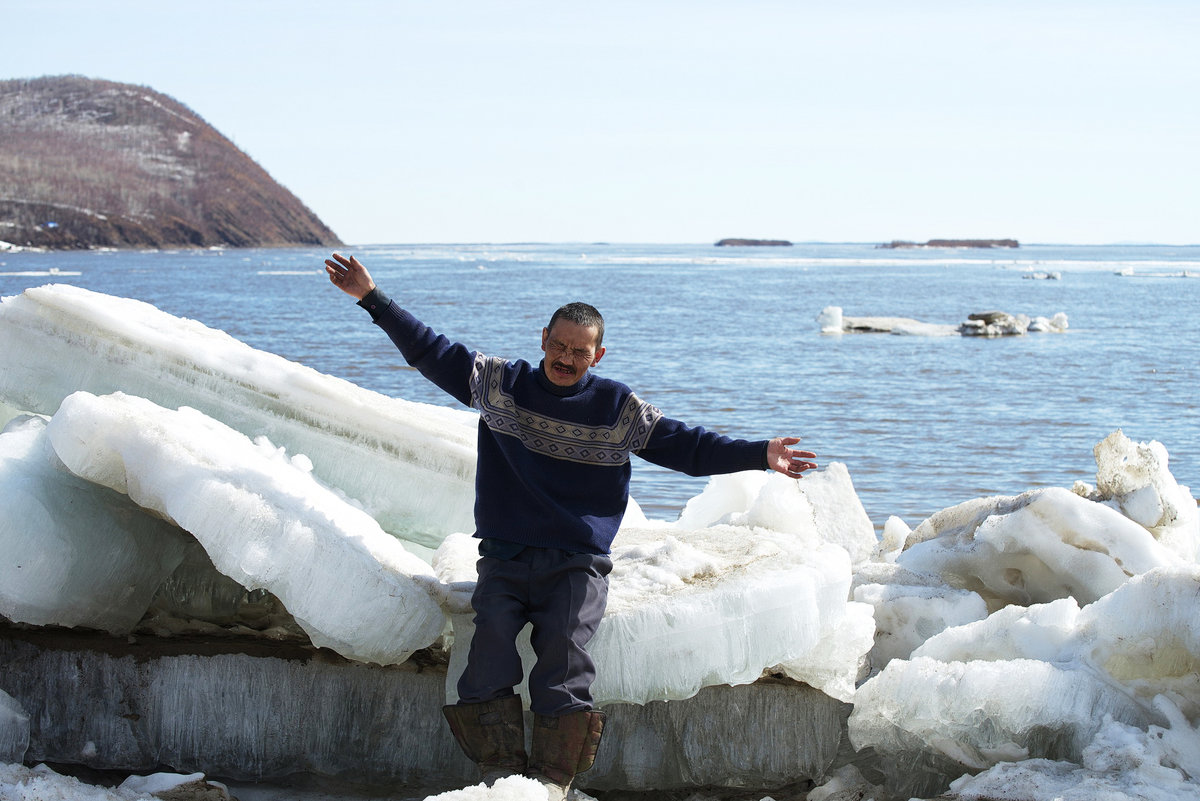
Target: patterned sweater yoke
{"points": [[605, 443]]}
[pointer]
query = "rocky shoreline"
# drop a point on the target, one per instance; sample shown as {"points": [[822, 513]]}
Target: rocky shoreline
{"points": [[899, 244]]}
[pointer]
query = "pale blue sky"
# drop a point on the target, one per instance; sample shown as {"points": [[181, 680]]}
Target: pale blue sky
{"points": [[677, 121]]}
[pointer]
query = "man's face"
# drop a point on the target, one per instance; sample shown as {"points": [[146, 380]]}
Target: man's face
{"points": [[570, 350]]}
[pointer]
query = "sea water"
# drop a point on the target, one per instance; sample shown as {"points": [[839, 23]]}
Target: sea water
{"points": [[727, 338]]}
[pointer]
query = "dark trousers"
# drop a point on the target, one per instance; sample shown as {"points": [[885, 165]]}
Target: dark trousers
{"points": [[563, 596]]}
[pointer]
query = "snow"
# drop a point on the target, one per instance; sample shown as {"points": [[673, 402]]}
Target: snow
{"points": [[1041, 645], [512, 788]]}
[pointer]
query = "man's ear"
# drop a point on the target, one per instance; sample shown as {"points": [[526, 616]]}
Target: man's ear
{"points": [[599, 354], [545, 336]]}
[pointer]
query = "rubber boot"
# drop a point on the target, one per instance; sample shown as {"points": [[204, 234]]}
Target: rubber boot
{"points": [[563, 747], [492, 735]]}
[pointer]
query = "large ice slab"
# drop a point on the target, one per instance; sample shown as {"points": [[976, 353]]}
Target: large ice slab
{"points": [[74, 554], [134, 706], [263, 519], [1034, 547], [981, 712], [412, 465], [691, 609]]}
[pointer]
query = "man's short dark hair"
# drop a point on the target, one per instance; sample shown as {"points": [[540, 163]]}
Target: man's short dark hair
{"points": [[580, 313]]}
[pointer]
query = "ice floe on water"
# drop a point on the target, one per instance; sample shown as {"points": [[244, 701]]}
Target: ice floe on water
{"points": [[1042, 645], [978, 324]]}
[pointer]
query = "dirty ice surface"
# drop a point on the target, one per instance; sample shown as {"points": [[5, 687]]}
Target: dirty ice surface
{"points": [[1034, 643]]}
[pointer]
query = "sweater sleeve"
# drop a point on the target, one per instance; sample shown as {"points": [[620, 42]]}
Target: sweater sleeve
{"points": [[447, 364], [699, 452]]}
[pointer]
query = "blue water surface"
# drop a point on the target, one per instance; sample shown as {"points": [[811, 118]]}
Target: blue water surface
{"points": [[727, 338]]}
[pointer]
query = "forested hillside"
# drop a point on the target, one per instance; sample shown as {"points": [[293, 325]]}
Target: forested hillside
{"points": [[90, 163]]}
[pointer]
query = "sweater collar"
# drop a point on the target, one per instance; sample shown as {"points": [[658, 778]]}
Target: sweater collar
{"points": [[555, 389]]}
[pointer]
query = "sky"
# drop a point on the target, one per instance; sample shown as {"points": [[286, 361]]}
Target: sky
{"points": [[677, 122]]}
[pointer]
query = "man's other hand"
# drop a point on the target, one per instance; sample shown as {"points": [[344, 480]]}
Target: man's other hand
{"points": [[783, 459]]}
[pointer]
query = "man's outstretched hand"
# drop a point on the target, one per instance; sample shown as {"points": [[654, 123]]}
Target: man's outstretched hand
{"points": [[783, 459], [349, 275]]}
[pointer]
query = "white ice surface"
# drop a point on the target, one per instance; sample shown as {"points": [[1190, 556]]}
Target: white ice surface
{"points": [[979, 713], [1135, 476], [411, 465], [1122, 763], [821, 508], [971, 689], [512, 788], [74, 554], [906, 616], [1143, 637], [41, 783], [1034, 547], [263, 519], [157, 783], [718, 605]]}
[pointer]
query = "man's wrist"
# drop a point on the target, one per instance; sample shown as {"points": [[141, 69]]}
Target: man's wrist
{"points": [[375, 302]]}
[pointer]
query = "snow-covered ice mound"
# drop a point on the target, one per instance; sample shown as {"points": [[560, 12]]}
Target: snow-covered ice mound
{"points": [[1034, 547], [263, 519], [370, 446], [821, 508]]}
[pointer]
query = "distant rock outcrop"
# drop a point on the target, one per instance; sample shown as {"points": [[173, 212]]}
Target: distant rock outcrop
{"points": [[954, 243], [742, 243], [89, 163]]}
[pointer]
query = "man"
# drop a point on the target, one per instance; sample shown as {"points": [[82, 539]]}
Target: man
{"points": [[552, 484]]}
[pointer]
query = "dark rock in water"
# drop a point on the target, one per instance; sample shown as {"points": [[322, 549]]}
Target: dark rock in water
{"points": [[954, 243], [743, 243], [88, 163], [989, 317]]}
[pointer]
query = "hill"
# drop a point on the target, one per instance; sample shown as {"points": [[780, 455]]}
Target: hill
{"points": [[89, 163]]}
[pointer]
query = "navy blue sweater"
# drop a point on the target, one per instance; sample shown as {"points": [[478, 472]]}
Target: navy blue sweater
{"points": [[553, 462]]}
